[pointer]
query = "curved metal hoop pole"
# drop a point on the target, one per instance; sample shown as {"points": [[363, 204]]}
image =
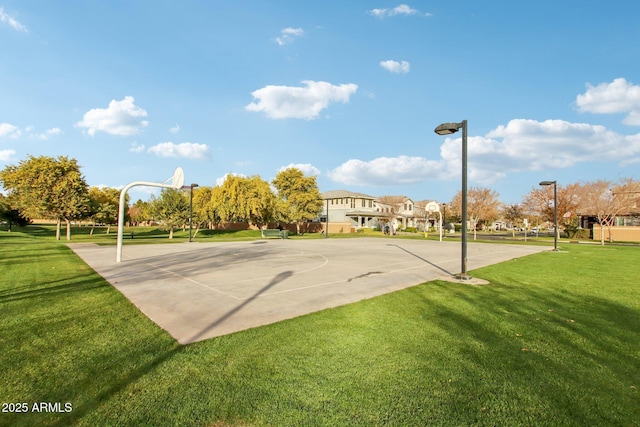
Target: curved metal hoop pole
{"points": [[123, 194]]}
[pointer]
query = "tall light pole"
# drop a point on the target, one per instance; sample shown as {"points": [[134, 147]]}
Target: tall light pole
{"points": [[326, 231], [448, 129], [191, 187], [555, 212], [444, 217]]}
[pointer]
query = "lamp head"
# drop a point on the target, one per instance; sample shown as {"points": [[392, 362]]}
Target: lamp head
{"points": [[194, 185], [547, 182], [448, 128]]}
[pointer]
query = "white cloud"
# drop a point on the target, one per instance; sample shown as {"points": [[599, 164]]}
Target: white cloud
{"points": [[289, 102], [307, 168], [46, 134], [401, 9], [186, 150], [619, 96], [520, 146], [530, 145], [395, 66], [136, 148], [7, 155], [10, 131], [121, 118], [386, 171], [288, 35], [5, 18], [175, 129], [222, 179]]}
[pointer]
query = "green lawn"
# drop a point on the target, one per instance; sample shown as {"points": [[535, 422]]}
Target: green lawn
{"points": [[554, 340]]}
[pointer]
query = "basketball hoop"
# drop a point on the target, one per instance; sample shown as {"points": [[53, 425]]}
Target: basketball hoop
{"points": [[177, 180]]}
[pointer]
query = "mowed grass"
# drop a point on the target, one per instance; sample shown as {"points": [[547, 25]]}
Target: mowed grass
{"points": [[554, 340]]}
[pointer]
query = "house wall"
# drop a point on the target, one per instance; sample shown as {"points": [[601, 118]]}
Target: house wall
{"points": [[339, 227], [619, 234]]}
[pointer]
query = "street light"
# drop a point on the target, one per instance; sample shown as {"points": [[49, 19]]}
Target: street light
{"points": [[326, 231], [448, 129], [555, 212], [191, 187], [444, 217]]}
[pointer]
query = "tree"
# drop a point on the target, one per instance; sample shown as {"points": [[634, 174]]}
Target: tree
{"points": [[244, 199], [389, 205], [301, 200], [11, 215], [44, 187], [540, 201], [103, 204], [171, 209], [607, 200], [203, 210], [140, 212], [514, 214], [482, 206]]}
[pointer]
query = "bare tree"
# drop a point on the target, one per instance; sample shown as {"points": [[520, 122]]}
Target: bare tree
{"points": [[482, 206], [540, 201], [514, 214], [607, 200], [388, 211]]}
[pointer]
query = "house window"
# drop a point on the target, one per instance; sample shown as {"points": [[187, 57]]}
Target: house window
{"points": [[370, 203], [353, 203], [363, 203]]}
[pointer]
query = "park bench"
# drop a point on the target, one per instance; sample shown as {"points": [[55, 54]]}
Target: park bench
{"points": [[281, 234]]}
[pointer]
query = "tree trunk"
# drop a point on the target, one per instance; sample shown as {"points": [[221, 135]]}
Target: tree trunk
{"points": [[58, 225], [171, 233], [68, 229], [93, 227], [108, 228]]}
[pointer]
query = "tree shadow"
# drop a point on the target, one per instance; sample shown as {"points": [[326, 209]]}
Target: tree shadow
{"points": [[52, 289]]}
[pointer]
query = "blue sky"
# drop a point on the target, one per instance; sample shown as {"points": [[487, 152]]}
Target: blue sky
{"points": [[348, 91]]}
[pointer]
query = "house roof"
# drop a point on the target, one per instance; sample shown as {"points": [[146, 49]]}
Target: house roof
{"points": [[338, 194]]}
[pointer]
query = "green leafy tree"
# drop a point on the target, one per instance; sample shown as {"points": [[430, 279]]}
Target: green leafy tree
{"points": [[10, 215], [103, 204], [301, 200], [170, 209], [140, 212], [204, 213], [44, 187], [244, 199]]}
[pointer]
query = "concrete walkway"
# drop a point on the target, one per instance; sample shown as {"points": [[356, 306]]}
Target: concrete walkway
{"points": [[197, 291]]}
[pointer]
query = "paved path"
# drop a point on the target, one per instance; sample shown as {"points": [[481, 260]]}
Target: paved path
{"points": [[197, 291]]}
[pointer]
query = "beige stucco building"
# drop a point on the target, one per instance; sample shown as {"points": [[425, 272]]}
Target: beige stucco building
{"points": [[348, 211]]}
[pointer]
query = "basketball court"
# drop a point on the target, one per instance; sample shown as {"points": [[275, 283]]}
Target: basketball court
{"points": [[197, 291]]}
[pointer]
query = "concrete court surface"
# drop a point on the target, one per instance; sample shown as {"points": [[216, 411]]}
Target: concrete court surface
{"points": [[197, 291]]}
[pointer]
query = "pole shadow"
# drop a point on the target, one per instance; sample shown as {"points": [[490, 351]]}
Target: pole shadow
{"points": [[277, 279], [422, 259]]}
